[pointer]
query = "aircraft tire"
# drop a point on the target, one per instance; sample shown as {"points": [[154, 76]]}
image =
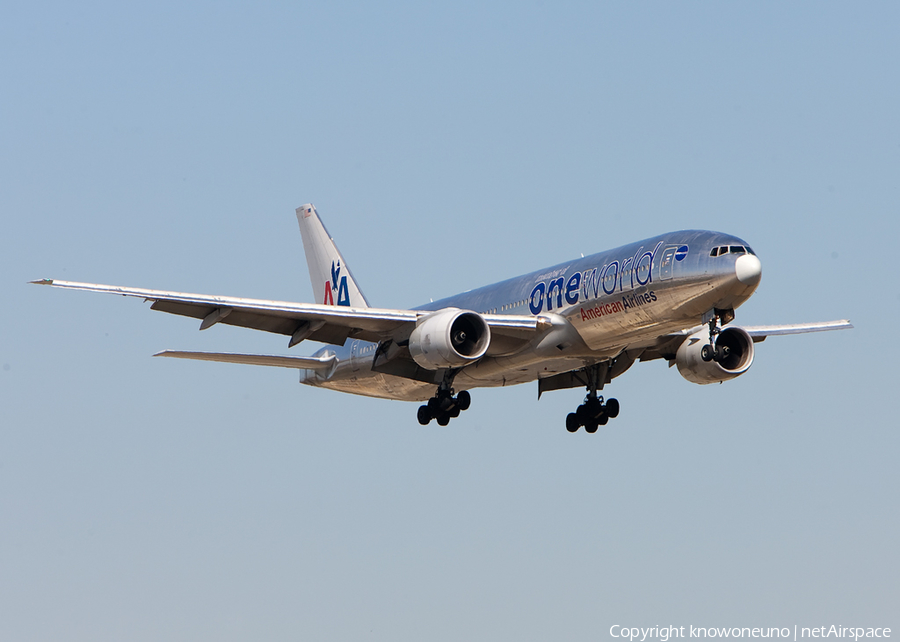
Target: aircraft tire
{"points": [[591, 426], [582, 414], [464, 400], [612, 408], [707, 353], [572, 423], [424, 415], [443, 419]]}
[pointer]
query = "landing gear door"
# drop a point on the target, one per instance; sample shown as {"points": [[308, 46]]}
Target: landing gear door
{"points": [[667, 262]]}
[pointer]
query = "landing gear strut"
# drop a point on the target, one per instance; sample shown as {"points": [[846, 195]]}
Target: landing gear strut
{"points": [[443, 406], [593, 413], [712, 352]]}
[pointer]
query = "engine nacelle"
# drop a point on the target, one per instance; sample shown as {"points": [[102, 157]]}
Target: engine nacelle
{"points": [[449, 338], [740, 355]]}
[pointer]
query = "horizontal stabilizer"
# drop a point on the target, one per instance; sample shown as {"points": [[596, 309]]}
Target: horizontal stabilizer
{"points": [[300, 363]]}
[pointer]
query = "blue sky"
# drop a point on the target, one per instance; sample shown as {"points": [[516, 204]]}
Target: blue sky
{"points": [[167, 145]]}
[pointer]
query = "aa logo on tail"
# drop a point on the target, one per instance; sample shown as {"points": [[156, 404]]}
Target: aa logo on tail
{"points": [[337, 284]]}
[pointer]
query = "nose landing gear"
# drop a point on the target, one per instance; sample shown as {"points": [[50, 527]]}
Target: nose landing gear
{"points": [[713, 352]]}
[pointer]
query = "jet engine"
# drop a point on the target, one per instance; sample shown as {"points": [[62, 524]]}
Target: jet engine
{"points": [[449, 338], [735, 349]]}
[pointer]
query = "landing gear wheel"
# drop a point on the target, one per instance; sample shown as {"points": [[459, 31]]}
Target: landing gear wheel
{"points": [[443, 419], [581, 414], [707, 353], [424, 415], [602, 419], [572, 423], [464, 400], [591, 426], [612, 408]]}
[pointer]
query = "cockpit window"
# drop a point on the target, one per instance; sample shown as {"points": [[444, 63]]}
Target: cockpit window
{"points": [[722, 250]]}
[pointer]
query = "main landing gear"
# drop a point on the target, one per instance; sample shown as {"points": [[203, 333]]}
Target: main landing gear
{"points": [[443, 406], [593, 413]]}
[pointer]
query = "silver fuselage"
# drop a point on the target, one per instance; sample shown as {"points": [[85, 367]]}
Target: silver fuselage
{"points": [[598, 306]]}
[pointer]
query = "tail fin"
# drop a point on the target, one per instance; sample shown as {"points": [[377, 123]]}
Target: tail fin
{"points": [[332, 281]]}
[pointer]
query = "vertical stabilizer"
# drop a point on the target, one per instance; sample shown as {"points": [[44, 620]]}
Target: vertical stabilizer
{"points": [[332, 281]]}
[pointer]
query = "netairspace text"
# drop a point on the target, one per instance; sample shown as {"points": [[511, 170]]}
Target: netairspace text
{"points": [[665, 633]]}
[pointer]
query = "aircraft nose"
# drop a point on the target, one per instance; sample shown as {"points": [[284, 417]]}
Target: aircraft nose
{"points": [[748, 269]]}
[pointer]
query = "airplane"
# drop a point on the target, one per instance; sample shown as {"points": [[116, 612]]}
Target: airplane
{"points": [[579, 324]]}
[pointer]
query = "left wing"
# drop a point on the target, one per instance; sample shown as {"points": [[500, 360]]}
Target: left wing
{"points": [[667, 345], [325, 323], [760, 332]]}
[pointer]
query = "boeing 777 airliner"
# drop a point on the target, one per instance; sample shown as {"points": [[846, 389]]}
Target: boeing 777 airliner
{"points": [[579, 324]]}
